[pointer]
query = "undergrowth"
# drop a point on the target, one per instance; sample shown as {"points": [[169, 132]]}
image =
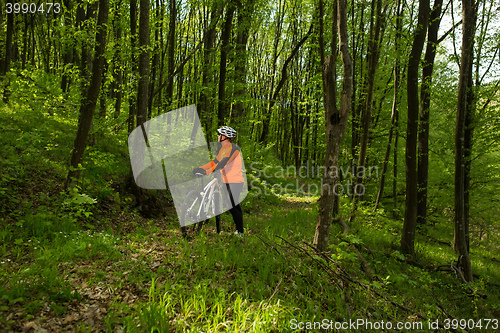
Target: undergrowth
{"points": [[88, 260]]}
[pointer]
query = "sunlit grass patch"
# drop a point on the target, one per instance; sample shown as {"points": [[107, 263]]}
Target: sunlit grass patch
{"points": [[202, 308]]}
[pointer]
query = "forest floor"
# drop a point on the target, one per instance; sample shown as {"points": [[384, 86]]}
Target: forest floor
{"points": [[94, 259], [136, 274]]}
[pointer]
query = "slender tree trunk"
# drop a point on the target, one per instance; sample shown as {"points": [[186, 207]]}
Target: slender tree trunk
{"points": [[357, 48], [33, 41], [117, 66], [468, 135], [181, 79], [395, 213], [163, 52], [8, 54], [410, 221], [279, 86], [171, 52], [155, 61], [142, 91], [2, 60], [103, 93], [67, 48], [395, 106], [294, 111], [133, 74], [266, 116], [207, 77], [373, 56], [28, 39], [469, 15], [226, 34], [391, 133], [335, 125], [244, 22], [315, 135], [80, 19], [425, 100], [8, 43], [86, 60], [88, 105], [25, 42], [46, 44]]}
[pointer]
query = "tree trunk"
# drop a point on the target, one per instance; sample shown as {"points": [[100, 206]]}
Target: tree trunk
{"points": [[117, 67], [335, 125], [372, 56], [88, 105], [244, 22], [86, 60], [423, 125], [156, 56], [142, 91], [80, 19], [132, 109], [208, 57], [103, 93], [461, 229], [266, 116], [391, 133], [279, 86], [67, 48], [25, 42], [181, 94], [163, 52], [226, 34], [469, 131], [8, 54], [397, 86], [357, 48], [2, 60], [410, 221], [171, 52], [8, 43], [395, 210], [395, 106]]}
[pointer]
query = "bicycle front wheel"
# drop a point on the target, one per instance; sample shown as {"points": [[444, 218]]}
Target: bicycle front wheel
{"points": [[190, 209]]}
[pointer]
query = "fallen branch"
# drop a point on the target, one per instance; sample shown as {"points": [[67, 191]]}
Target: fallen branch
{"points": [[343, 277], [307, 253], [281, 255], [364, 264], [444, 311], [275, 291], [349, 278], [345, 228], [458, 272], [271, 246], [390, 300]]}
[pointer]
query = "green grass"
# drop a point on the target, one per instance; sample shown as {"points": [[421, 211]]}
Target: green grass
{"points": [[87, 260]]}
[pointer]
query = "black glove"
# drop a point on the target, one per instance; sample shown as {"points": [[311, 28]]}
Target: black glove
{"points": [[199, 170]]}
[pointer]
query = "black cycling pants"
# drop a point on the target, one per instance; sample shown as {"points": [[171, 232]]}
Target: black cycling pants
{"points": [[233, 194]]}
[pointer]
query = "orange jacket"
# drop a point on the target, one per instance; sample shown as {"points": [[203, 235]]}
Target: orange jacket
{"points": [[229, 162]]}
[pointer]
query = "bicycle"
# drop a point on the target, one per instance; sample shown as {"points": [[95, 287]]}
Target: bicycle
{"points": [[197, 206]]}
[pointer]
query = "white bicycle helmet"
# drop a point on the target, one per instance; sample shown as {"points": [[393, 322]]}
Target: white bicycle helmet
{"points": [[227, 131]]}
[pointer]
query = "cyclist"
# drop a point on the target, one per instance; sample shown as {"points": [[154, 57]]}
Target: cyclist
{"points": [[228, 161]]}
